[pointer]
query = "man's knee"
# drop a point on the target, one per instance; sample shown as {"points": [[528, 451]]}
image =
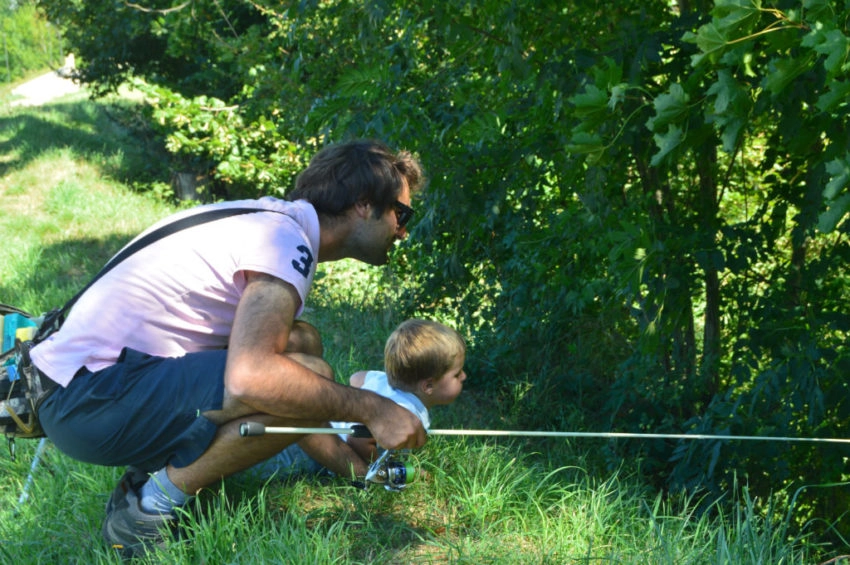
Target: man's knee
{"points": [[315, 364], [305, 338], [232, 409]]}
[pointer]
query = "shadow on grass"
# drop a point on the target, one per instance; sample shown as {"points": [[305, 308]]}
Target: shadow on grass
{"points": [[60, 271], [396, 537], [91, 129]]}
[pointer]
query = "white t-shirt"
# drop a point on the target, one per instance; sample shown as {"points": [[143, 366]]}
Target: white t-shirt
{"points": [[376, 381], [179, 294]]}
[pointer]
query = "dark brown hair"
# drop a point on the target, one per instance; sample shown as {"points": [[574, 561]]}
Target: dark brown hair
{"points": [[339, 176]]}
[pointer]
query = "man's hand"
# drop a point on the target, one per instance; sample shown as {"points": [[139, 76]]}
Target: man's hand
{"points": [[394, 427]]}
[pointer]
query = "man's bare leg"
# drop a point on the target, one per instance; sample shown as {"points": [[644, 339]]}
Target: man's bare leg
{"points": [[304, 338], [230, 452]]}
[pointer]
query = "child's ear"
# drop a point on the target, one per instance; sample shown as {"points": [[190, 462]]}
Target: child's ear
{"points": [[426, 386]]}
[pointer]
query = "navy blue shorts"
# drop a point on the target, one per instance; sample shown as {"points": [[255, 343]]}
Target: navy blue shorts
{"points": [[143, 411]]}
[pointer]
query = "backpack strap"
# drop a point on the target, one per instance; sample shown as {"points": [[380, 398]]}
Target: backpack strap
{"points": [[54, 319], [9, 309]]}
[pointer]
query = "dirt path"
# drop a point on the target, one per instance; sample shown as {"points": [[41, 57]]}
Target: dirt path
{"points": [[43, 89]]}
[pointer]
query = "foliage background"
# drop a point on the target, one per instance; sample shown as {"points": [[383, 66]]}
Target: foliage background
{"points": [[30, 42], [637, 212]]}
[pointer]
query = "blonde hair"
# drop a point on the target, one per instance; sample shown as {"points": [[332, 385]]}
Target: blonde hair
{"points": [[419, 350]]}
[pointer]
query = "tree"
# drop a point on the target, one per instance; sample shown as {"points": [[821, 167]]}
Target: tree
{"points": [[738, 153], [29, 42]]}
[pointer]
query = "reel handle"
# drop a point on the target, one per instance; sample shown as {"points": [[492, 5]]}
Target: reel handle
{"points": [[390, 469]]}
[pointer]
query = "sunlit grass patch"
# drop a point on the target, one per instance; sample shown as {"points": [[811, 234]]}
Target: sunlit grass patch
{"points": [[63, 213]]}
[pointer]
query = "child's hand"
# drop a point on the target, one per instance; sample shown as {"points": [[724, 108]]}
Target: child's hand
{"points": [[366, 448]]}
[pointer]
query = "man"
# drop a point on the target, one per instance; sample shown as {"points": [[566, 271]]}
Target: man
{"points": [[164, 356]]}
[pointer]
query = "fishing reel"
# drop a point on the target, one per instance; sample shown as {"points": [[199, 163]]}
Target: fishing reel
{"points": [[394, 469]]}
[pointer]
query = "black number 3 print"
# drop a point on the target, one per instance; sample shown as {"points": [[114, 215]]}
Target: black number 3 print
{"points": [[303, 263]]}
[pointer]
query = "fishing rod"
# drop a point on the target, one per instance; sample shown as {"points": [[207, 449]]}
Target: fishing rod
{"points": [[394, 471], [360, 431]]}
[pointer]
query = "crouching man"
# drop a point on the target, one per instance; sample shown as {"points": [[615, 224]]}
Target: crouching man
{"points": [[163, 357]]}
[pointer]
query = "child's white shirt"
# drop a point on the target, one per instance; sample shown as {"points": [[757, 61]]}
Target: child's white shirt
{"points": [[376, 381]]}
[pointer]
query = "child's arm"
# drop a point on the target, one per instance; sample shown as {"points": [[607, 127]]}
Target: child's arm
{"points": [[357, 379], [334, 454], [366, 448], [341, 457]]}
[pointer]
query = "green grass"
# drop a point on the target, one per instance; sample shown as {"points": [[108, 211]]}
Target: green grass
{"points": [[67, 202]]}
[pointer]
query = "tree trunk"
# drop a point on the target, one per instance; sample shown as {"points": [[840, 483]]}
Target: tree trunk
{"points": [[708, 220], [675, 312], [6, 53]]}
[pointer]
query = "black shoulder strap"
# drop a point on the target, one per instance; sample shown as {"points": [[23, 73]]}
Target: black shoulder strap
{"points": [[55, 318]]}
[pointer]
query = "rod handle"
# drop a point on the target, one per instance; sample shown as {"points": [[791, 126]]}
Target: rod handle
{"points": [[359, 430], [251, 429], [247, 429]]}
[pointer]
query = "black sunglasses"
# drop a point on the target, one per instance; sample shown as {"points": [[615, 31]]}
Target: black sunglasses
{"points": [[403, 213]]}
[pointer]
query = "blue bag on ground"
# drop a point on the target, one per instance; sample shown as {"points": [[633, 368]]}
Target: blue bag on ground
{"points": [[22, 386]]}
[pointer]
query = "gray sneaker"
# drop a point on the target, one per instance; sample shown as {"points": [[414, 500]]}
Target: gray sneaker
{"points": [[132, 479], [127, 527]]}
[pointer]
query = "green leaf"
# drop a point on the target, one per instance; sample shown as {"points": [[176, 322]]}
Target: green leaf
{"points": [[607, 74], [835, 211], [819, 10], [834, 97], [721, 5], [588, 144], [733, 20], [731, 108], [362, 82], [785, 71], [835, 47], [618, 94], [584, 142], [590, 102], [711, 40], [731, 133], [670, 107], [483, 126], [725, 90], [667, 142], [737, 16], [839, 169], [837, 206]]}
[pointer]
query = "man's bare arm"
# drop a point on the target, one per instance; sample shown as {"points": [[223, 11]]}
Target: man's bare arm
{"points": [[260, 376]]}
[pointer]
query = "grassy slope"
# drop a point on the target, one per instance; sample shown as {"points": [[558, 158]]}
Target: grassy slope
{"points": [[65, 206]]}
